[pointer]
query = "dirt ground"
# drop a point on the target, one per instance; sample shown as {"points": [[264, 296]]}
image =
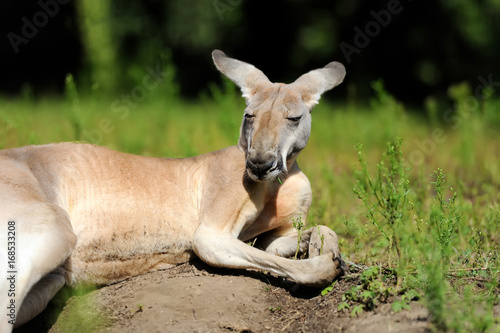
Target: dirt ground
{"points": [[197, 298]]}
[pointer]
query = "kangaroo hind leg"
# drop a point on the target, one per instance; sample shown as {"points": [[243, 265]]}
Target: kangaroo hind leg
{"points": [[35, 240]]}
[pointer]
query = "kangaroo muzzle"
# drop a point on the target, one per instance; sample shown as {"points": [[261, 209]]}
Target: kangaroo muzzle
{"points": [[262, 166]]}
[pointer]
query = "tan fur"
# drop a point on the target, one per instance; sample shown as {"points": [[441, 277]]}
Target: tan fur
{"points": [[85, 213]]}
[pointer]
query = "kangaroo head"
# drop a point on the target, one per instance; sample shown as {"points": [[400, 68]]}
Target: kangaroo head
{"points": [[277, 119]]}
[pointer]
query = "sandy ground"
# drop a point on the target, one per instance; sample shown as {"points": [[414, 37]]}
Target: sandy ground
{"points": [[197, 298]]}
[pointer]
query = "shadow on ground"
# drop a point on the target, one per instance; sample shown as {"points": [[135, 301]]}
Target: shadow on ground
{"points": [[195, 297]]}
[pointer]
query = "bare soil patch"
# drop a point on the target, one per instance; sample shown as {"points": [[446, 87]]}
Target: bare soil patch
{"points": [[195, 297]]}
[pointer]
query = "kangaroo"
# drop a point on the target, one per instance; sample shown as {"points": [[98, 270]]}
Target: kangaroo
{"points": [[74, 212]]}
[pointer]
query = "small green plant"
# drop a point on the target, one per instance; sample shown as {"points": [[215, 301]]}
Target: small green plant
{"points": [[476, 243], [354, 233], [400, 305], [386, 196], [328, 289], [343, 306], [322, 237], [274, 309], [404, 302], [252, 242], [352, 294], [74, 106], [443, 218], [298, 224], [444, 215], [267, 287], [435, 289], [376, 286], [357, 310]]}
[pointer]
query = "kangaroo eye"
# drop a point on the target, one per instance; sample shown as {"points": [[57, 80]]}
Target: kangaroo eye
{"points": [[249, 116], [294, 119]]}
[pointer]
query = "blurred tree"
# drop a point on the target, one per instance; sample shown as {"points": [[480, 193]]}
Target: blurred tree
{"points": [[100, 46], [422, 50]]}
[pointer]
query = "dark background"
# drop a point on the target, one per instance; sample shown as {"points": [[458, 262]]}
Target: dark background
{"points": [[426, 47]]}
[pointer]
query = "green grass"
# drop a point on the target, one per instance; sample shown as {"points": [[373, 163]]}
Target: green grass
{"points": [[424, 211]]}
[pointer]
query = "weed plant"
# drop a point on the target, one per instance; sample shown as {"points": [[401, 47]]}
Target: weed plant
{"points": [[385, 197]]}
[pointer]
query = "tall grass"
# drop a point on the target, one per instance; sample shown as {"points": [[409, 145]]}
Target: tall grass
{"points": [[391, 202]]}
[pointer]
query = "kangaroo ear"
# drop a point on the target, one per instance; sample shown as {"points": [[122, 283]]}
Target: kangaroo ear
{"points": [[246, 76], [316, 82]]}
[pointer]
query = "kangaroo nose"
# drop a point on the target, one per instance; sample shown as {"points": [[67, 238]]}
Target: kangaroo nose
{"points": [[259, 167]]}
